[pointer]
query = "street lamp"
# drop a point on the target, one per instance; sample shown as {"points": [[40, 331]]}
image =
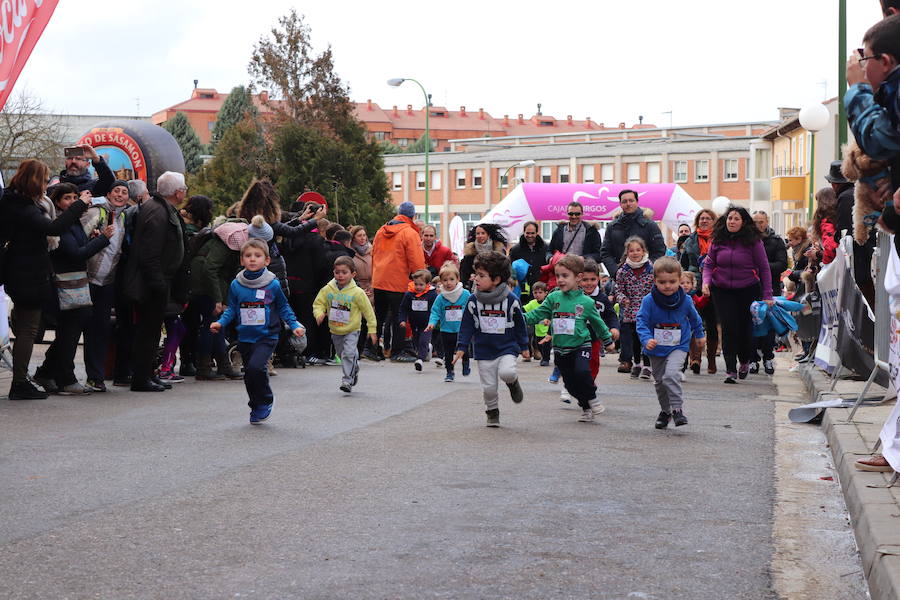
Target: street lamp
{"points": [[813, 118], [396, 82], [524, 163]]}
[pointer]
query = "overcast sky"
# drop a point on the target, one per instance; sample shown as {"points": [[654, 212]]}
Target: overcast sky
{"points": [[708, 61]]}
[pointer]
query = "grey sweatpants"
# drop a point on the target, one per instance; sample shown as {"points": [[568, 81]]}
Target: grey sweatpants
{"points": [[345, 347], [667, 378], [502, 368]]}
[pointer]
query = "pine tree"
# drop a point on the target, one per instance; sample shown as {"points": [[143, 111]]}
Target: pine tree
{"points": [[235, 109], [187, 139]]}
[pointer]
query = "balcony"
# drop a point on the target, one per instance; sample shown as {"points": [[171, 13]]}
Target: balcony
{"points": [[788, 187]]}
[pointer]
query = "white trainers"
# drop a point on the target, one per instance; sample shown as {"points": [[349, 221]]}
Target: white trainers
{"points": [[683, 376], [439, 362], [597, 408], [418, 365], [587, 416], [565, 396]]}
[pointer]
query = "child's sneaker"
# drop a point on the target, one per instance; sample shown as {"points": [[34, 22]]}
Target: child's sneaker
{"points": [[646, 373], [754, 367], [439, 362], [170, 376], [695, 367], [743, 370], [662, 421], [596, 407], [448, 378], [565, 396], [554, 376], [635, 372], [769, 367], [258, 415], [418, 365], [683, 376], [731, 378], [678, 418], [493, 417], [515, 391], [467, 369], [545, 363], [587, 416], [346, 388]]}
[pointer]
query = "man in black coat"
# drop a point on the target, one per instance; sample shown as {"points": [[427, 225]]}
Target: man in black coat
{"points": [[576, 236], [77, 173], [155, 273], [631, 222]]}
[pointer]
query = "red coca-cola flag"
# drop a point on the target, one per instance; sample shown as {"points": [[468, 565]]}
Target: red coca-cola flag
{"points": [[21, 24]]}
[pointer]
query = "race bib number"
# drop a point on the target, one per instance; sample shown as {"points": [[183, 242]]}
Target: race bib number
{"points": [[453, 314], [492, 321], [253, 313], [339, 313], [667, 334], [564, 323], [420, 305]]}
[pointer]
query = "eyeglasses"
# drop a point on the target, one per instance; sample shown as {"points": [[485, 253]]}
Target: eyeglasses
{"points": [[574, 214], [862, 55]]}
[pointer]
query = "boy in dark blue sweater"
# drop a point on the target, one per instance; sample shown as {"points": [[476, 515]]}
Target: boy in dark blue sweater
{"points": [[494, 322], [257, 302], [415, 309]]}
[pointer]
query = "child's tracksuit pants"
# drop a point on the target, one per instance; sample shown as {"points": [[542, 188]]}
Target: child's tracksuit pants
{"points": [[575, 367]]}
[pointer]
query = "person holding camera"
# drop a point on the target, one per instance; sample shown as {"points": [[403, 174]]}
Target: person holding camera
{"points": [[78, 159]]}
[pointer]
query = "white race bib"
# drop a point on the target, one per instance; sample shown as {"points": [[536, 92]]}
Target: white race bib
{"points": [[339, 314], [453, 315], [492, 321], [564, 326], [420, 305], [667, 335], [253, 313]]}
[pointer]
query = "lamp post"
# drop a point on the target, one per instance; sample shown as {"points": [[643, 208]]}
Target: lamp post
{"points": [[813, 118], [396, 83], [523, 163]]}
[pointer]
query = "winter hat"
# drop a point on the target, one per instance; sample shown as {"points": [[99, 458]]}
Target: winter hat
{"points": [[119, 182], [260, 229], [407, 209]]}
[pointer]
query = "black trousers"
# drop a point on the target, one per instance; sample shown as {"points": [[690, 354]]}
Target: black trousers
{"points": [[256, 375], [59, 361], [765, 346], [149, 315], [97, 331], [387, 311], [631, 345], [449, 339], [318, 338], [546, 350], [124, 335], [733, 309], [575, 368]]}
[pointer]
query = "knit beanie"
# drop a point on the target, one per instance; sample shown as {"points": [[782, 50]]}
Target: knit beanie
{"points": [[119, 182], [260, 229], [407, 209]]}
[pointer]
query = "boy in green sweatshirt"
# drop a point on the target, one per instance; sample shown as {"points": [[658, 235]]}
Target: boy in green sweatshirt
{"points": [[575, 322], [345, 304]]}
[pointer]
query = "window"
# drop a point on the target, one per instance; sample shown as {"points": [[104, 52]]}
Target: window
{"points": [[435, 180], [503, 177], [520, 175], [634, 172], [731, 169], [403, 142], [378, 135], [653, 172], [547, 229], [434, 144], [763, 163], [681, 174], [434, 218], [545, 174], [211, 125], [420, 180], [398, 180], [476, 179], [564, 174], [460, 179], [587, 174], [470, 220], [702, 170], [607, 173]]}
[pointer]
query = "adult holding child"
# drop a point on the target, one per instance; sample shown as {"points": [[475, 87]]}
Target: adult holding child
{"points": [[736, 273], [693, 255]]}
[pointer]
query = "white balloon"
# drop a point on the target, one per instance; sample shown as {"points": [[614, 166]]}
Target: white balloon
{"points": [[814, 117], [720, 205]]}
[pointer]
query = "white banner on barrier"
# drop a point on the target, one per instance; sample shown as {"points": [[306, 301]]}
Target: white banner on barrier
{"points": [[890, 432], [828, 282]]}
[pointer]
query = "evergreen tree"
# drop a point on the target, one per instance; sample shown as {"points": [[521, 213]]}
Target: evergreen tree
{"points": [[417, 147], [235, 109], [187, 139]]}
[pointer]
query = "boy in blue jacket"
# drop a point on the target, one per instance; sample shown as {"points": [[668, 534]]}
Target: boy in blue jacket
{"points": [[446, 314], [415, 308], [256, 300], [666, 322]]}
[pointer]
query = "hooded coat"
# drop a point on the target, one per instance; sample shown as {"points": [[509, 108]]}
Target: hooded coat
{"points": [[622, 228], [396, 253], [466, 265], [535, 256]]}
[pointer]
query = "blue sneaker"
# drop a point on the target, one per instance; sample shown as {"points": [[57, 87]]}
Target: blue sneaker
{"points": [[467, 369], [554, 376], [258, 415], [449, 378]]}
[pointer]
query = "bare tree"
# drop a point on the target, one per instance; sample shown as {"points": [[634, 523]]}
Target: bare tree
{"points": [[29, 132]]}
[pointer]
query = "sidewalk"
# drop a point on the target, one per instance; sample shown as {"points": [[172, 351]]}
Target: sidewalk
{"points": [[875, 513]]}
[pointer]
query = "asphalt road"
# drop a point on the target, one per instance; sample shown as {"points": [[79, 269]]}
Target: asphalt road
{"points": [[398, 491]]}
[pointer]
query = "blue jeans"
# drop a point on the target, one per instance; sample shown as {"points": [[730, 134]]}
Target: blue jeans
{"points": [[256, 376]]}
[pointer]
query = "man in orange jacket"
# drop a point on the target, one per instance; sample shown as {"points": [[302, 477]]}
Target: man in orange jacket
{"points": [[396, 253]]}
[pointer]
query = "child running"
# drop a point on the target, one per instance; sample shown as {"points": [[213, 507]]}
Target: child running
{"points": [[446, 314], [590, 285], [493, 322], [689, 285], [415, 309], [633, 282], [666, 322], [256, 300], [345, 304], [575, 322], [541, 330]]}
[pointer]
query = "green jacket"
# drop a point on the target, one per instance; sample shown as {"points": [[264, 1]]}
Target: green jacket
{"points": [[540, 330], [213, 268], [571, 305]]}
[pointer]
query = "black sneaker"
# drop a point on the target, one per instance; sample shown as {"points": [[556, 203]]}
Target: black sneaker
{"points": [[678, 418], [662, 421], [403, 358], [493, 417], [45, 382], [731, 378], [25, 390], [122, 381], [754, 368], [769, 367], [345, 387], [695, 367], [516, 391], [635, 372]]}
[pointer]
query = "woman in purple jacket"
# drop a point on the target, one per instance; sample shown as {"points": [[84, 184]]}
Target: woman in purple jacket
{"points": [[731, 274]]}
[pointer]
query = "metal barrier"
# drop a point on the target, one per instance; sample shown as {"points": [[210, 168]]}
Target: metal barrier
{"points": [[882, 310]]}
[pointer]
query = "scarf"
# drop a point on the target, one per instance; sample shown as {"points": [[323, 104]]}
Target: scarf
{"points": [[453, 295], [494, 296], [255, 279], [486, 247], [667, 302], [703, 239], [46, 206], [637, 264], [362, 250]]}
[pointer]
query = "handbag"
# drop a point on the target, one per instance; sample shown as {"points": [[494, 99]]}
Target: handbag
{"points": [[73, 290]]}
